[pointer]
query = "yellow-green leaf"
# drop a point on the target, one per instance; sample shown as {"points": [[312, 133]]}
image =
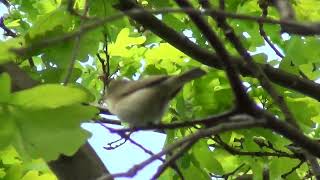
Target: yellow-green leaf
{"points": [[49, 96]]}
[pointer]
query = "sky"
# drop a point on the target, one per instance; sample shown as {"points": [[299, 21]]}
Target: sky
{"points": [[127, 155]]}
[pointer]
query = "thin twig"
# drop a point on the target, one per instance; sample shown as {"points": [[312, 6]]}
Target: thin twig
{"points": [[292, 133], [128, 138], [243, 101], [264, 8], [244, 123], [31, 63], [206, 57], [314, 165], [172, 165], [76, 45], [172, 159], [108, 121], [310, 158], [292, 170], [234, 151], [226, 176], [188, 47], [253, 67], [101, 21], [7, 31], [73, 57], [266, 173]]}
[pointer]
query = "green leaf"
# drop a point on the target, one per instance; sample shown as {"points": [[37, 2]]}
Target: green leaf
{"points": [[14, 172], [47, 133], [56, 75], [35, 175], [2, 173], [303, 109], [45, 6], [310, 71], [287, 65], [206, 158], [123, 41], [5, 87], [302, 50], [277, 168], [164, 51], [308, 10], [6, 49], [230, 162], [49, 96], [7, 128], [9, 156], [49, 22], [260, 58]]}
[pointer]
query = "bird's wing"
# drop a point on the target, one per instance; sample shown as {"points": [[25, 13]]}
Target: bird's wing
{"points": [[133, 86]]}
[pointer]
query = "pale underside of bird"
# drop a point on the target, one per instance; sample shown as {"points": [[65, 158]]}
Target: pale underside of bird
{"points": [[144, 101]]}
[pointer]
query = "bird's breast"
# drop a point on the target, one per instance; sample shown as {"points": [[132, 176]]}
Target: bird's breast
{"points": [[141, 107]]}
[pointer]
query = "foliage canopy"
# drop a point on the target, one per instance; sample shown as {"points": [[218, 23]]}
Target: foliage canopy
{"points": [[76, 42]]}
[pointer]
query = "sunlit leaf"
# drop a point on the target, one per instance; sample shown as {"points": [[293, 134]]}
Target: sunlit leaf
{"points": [[49, 96]]}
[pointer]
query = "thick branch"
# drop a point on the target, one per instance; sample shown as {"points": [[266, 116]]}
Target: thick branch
{"points": [[253, 67], [206, 57], [243, 101], [182, 43], [292, 133]]}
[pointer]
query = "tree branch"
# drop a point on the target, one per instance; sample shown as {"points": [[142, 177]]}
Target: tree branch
{"points": [[204, 56], [292, 133], [172, 159], [83, 165], [264, 7], [76, 44], [243, 101], [292, 170], [245, 122], [208, 122], [253, 67], [182, 43], [234, 151]]}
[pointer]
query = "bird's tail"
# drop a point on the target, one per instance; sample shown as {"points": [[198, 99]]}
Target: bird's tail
{"points": [[175, 83], [190, 75]]}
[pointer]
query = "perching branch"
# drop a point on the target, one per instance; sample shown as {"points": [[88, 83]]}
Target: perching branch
{"points": [[207, 122], [245, 122]]}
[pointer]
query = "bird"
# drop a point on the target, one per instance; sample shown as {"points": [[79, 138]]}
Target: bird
{"points": [[144, 101]]}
